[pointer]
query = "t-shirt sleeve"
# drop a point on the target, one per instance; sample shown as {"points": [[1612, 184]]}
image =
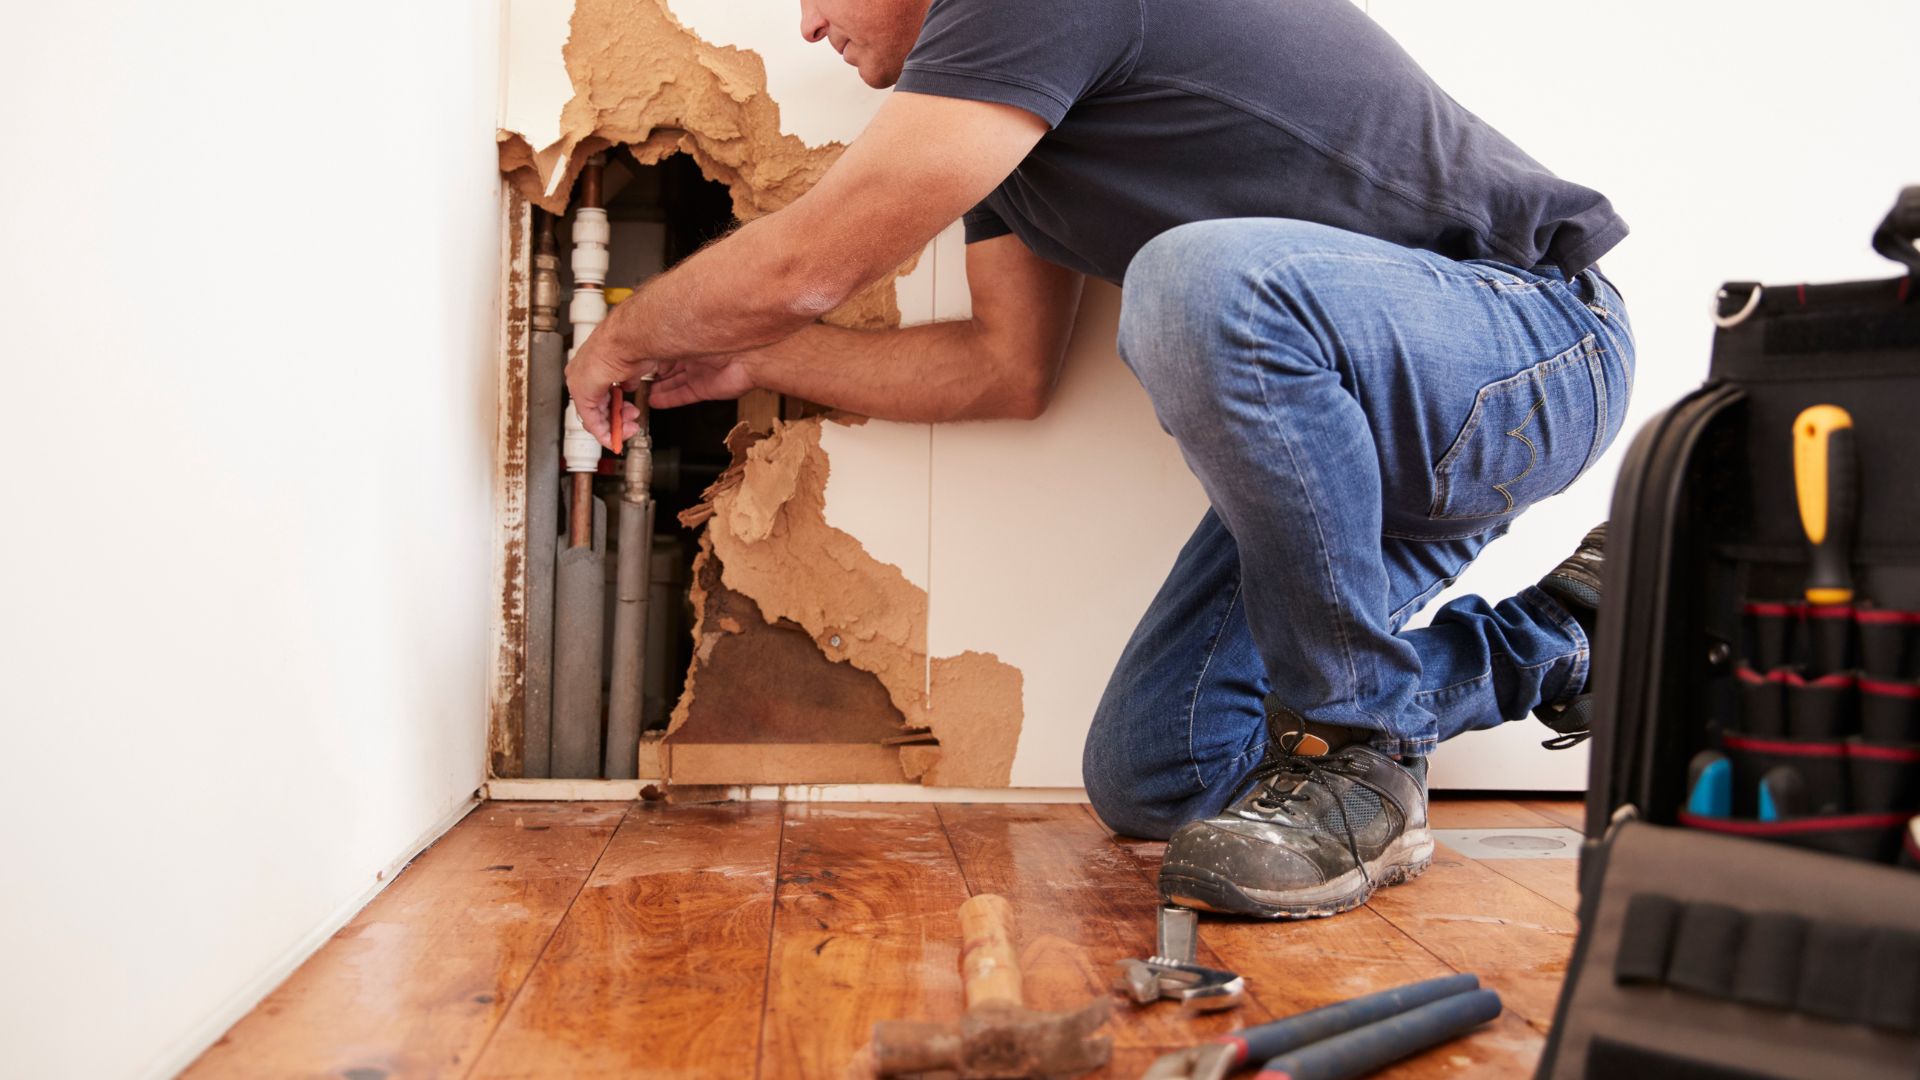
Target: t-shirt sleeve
{"points": [[1039, 55], [982, 223]]}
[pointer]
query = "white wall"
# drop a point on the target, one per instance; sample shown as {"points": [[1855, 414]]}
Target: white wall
{"points": [[1741, 139], [248, 321]]}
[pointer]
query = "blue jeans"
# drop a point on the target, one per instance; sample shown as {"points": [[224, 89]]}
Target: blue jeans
{"points": [[1364, 418]]}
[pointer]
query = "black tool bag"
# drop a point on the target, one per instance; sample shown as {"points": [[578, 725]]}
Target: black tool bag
{"points": [[1774, 932]]}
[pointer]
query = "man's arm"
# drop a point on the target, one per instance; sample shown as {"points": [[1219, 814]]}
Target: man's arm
{"points": [[1000, 363], [921, 163]]}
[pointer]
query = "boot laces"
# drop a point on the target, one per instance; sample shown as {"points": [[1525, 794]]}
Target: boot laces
{"points": [[1273, 772]]}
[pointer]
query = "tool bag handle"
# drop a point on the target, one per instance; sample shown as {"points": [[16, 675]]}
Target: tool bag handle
{"points": [[1897, 233]]}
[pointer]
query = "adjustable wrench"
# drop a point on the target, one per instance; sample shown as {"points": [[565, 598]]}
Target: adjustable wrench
{"points": [[1171, 972]]}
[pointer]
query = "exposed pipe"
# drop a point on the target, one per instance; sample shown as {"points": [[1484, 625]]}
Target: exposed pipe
{"points": [[546, 393], [580, 572], [627, 690]]}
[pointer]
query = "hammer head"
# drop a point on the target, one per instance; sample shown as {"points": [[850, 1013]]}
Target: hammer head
{"points": [[998, 1041]]}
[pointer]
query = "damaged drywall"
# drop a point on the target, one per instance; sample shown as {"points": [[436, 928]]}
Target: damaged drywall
{"points": [[811, 661], [766, 528], [642, 79]]}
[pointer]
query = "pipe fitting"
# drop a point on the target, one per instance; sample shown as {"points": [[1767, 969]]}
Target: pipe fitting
{"points": [[591, 234], [580, 449], [546, 292]]}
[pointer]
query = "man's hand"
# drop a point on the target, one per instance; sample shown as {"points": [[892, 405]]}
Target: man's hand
{"points": [[921, 163], [698, 380], [592, 375]]}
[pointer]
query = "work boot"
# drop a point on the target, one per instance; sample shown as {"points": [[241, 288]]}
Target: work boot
{"points": [[1324, 821], [1575, 583]]}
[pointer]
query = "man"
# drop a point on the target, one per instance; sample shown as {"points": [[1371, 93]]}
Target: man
{"points": [[1373, 325]]}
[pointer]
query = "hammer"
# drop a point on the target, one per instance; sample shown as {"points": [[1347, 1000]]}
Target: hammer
{"points": [[999, 1036]]}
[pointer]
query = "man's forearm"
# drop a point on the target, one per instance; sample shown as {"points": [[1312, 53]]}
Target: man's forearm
{"points": [[932, 373], [724, 299]]}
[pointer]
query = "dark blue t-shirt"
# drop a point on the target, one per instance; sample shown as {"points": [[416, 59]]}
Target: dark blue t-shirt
{"points": [[1165, 112]]}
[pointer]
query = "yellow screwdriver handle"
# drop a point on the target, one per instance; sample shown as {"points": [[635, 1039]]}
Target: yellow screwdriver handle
{"points": [[1826, 482]]}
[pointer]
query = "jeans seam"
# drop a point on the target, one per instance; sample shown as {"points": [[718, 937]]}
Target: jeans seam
{"points": [[1193, 702], [1341, 614], [1562, 618]]}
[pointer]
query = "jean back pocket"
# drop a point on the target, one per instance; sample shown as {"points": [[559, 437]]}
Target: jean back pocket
{"points": [[1528, 437]]}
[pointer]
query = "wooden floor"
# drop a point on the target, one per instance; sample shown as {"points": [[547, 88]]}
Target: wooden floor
{"points": [[744, 940]]}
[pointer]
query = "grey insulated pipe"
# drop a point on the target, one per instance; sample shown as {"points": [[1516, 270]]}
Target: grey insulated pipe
{"points": [[579, 575], [546, 397], [626, 690]]}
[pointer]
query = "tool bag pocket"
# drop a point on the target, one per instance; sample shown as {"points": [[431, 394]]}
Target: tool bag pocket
{"points": [[1819, 764], [1883, 777], [1873, 837], [1889, 642], [1786, 702], [1889, 710], [1771, 633], [1703, 955]]}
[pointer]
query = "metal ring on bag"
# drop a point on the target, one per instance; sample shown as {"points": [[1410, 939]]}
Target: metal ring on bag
{"points": [[1728, 322]]}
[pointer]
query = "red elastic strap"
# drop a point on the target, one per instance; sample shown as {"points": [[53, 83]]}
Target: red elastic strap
{"points": [[1890, 689], [1786, 749], [1748, 675], [1785, 828], [1883, 753], [1240, 1048], [1778, 608], [1829, 611], [1885, 617], [1272, 1074]]}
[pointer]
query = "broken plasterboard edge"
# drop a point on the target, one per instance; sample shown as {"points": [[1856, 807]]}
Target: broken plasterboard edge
{"points": [[767, 529], [877, 490], [536, 86], [825, 99], [622, 790], [641, 78]]}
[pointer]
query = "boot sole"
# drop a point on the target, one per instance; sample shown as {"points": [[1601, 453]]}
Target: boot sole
{"points": [[1405, 859]]}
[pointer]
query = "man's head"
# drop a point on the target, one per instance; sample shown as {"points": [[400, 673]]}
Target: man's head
{"points": [[874, 36]]}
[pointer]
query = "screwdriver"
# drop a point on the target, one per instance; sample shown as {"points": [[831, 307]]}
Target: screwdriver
{"points": [[1826, 480]]}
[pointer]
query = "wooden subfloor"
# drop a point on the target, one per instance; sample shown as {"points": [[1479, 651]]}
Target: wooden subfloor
{"points": [[763, 940]]}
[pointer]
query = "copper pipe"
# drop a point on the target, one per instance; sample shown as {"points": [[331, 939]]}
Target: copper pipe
{"points": [[580, 529], [590, 181]]}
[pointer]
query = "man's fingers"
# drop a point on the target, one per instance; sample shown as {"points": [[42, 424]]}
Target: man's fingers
{"points": [[593, 417], [672, 393]]}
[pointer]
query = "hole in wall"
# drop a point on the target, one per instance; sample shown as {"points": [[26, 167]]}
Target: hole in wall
{"points": [[658, 215]]}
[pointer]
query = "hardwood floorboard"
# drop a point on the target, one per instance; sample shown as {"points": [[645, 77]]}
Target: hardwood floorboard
{"points": [[1082, 906], [660, 967], [865, 929], [1570, 813], [1296, 966], [413, 985], [1485, 814], [748, 940], [1556, 879], [1476, 920]]}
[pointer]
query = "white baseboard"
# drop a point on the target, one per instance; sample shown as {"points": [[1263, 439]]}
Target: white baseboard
{"points": [[242, 1001], [621, 790]]}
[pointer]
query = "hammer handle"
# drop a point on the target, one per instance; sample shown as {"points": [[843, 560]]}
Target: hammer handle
{"points": [[988, 963]]}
